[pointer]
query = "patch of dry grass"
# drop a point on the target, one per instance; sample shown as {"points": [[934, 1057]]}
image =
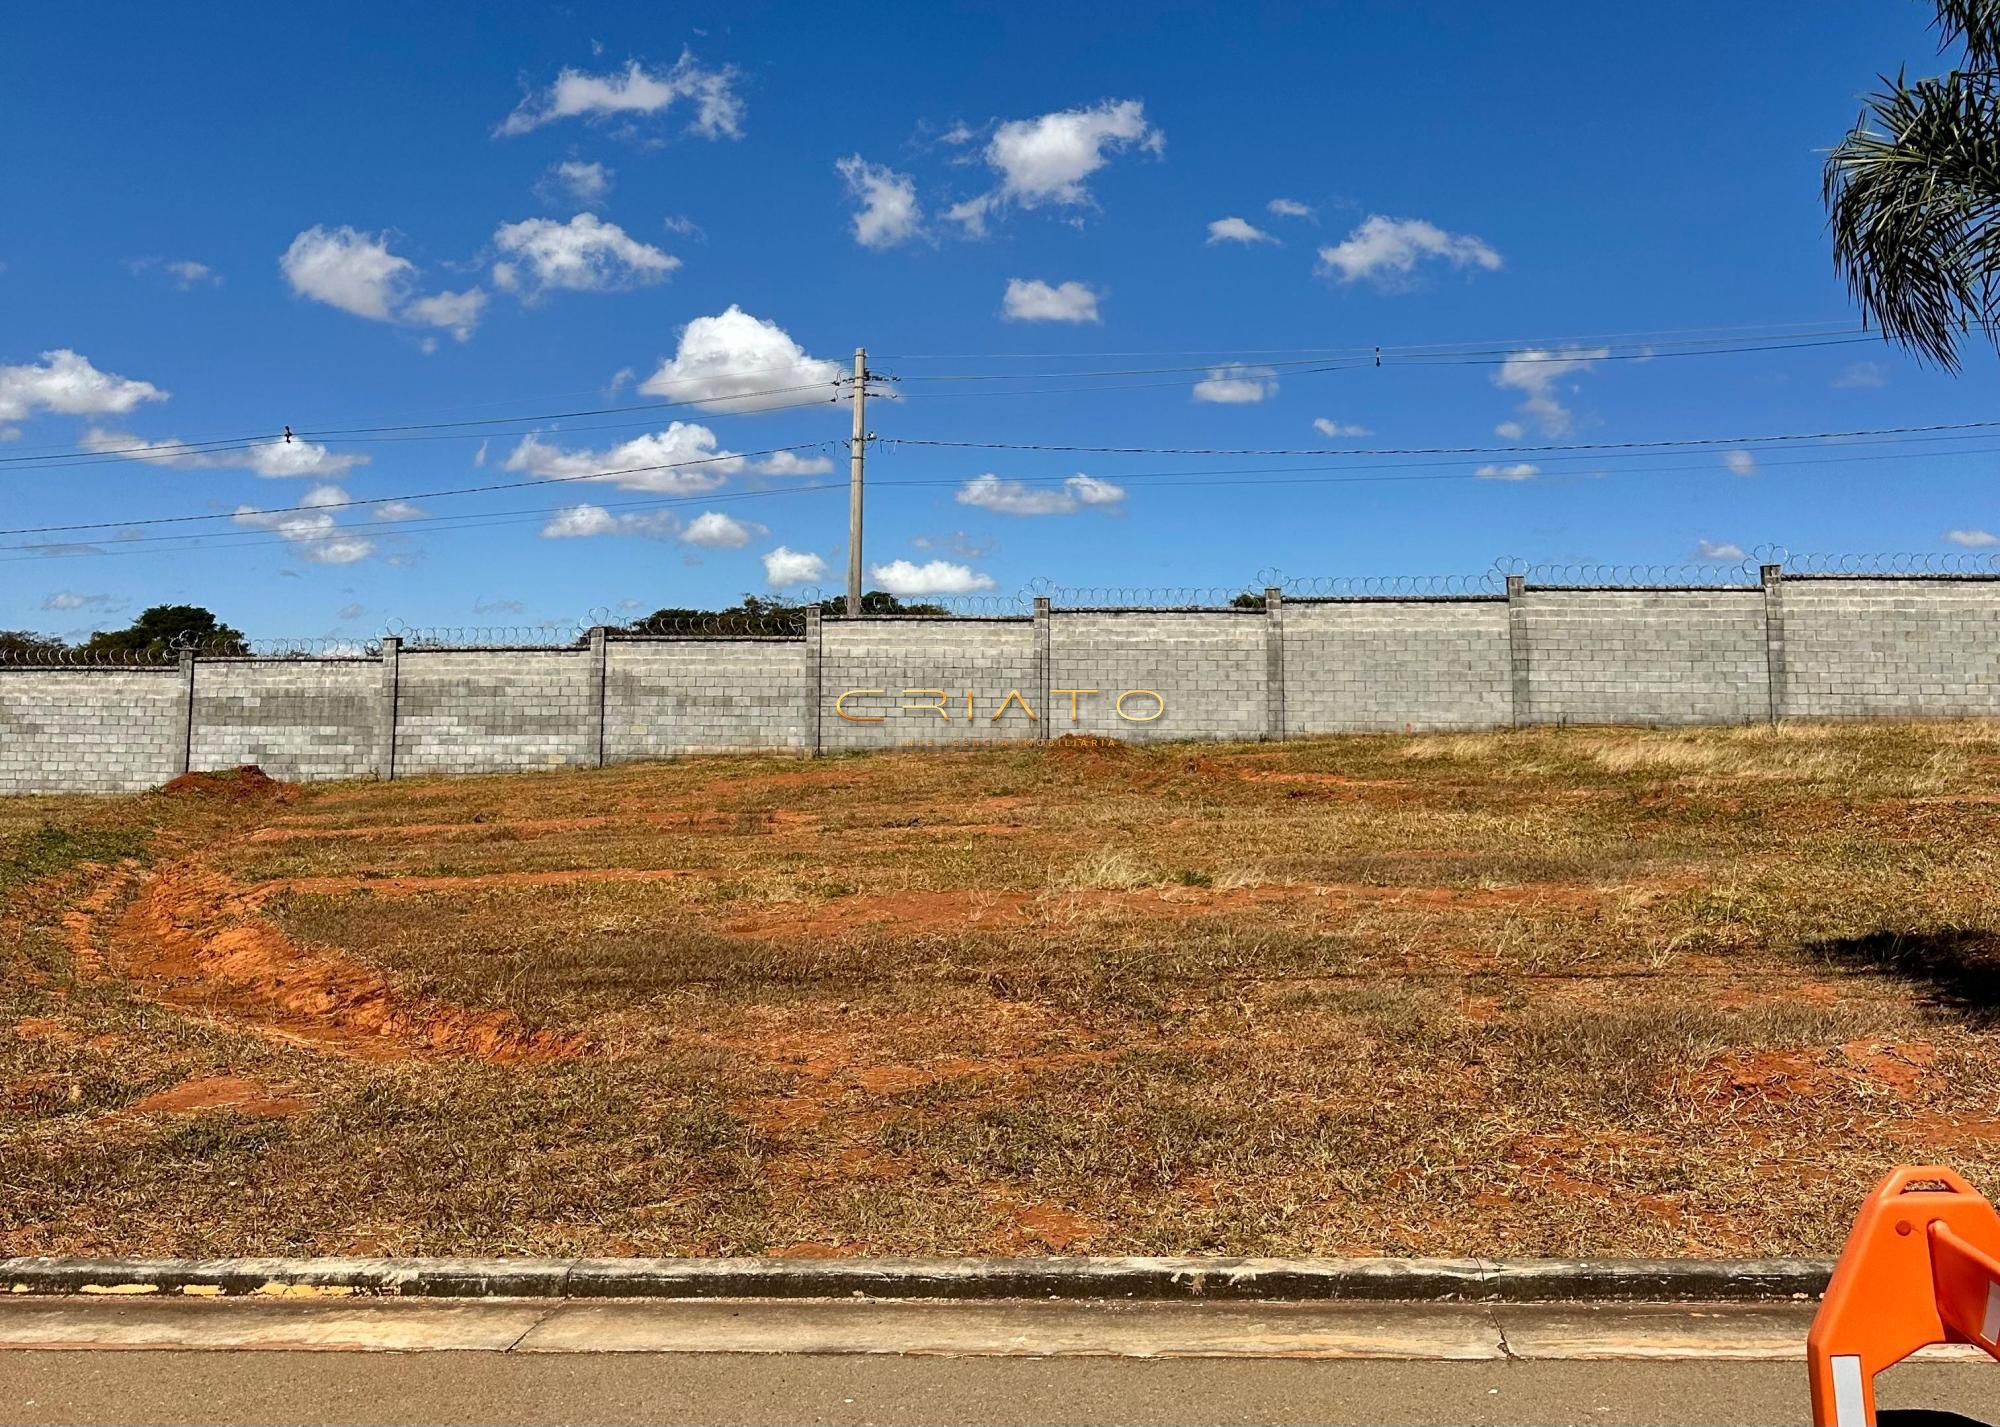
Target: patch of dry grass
{"points": [[1555, 991]]}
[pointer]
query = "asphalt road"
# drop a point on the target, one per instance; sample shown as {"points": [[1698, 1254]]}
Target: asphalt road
{"points": [[438, 1387]]}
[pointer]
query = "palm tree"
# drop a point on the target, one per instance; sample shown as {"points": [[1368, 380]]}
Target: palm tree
{"points": [[1913, 195]]}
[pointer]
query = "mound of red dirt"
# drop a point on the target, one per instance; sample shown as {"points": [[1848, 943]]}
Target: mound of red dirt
{"points": [[235, 785]]}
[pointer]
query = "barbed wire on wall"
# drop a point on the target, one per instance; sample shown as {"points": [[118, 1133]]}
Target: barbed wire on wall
{"points": [[492, 636], [63, 656], [1906, 564], [1308, 587], [1162, 597], [1691, 574], [772, 624]]}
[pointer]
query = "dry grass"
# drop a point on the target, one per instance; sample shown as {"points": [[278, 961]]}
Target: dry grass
{"points": [[1579, 992]]}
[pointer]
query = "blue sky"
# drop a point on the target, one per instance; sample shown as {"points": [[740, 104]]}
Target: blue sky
{"points": [[236, 219]]}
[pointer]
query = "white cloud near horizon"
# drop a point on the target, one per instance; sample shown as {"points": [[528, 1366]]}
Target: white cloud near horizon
{"points": [[1236, 230], [1973, 539], [1236, 385], [888, 211], [1032, 300], [1518, 471], [721, 532], [684, 459], [315, 532], [935, 577], [785, 568], [586, 254], [1045, 161], [1386, 251], [66, 383], [583, 521], [1713, 550], [1537, 373], [1078, 492], [637, 90], [723, 362]]}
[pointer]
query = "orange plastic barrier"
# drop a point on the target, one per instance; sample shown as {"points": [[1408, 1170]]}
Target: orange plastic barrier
{"points": [[1922, 1266]]}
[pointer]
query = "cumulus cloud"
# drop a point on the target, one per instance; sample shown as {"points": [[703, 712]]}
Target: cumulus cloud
{"points": [[681, 460], [1045, 161], [583, 521], [723, 361], [1236, 385], [990, 492], [1387, 250], [315, 532], [1327, 426], [355, 272], [1740, 463], [720, 532], [1972, 539], [1510, 431], [276, 458], [1714, 550], [1537, 373], [1032, 300], [400, 510], [577, 181], [1861, 376], [65, 382], [785, 567], [66, 600], [637, 90], [934, 577], [1518, 471], [1237, 230], [585, 254], [1288, 208], [791, 463], [888, 212]]}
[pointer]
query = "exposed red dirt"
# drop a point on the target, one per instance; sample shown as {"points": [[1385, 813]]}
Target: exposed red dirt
{"points": [[219, 1092], [1779, 1075], [412, 886], [248, 784]]}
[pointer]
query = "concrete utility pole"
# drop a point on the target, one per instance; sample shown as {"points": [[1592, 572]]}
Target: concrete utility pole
{"points": [[854, 462]]}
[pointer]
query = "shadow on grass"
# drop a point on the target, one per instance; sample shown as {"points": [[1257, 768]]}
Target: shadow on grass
{"points": [[1959, 968]]}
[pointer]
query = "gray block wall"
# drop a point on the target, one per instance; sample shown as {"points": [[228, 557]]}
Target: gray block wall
{"points": [[913, 661], [1370, 665], [665, 697], [1645, 656], [91, 730], [297, 719], [482, 711], [1208, 668], [1891, 648]]}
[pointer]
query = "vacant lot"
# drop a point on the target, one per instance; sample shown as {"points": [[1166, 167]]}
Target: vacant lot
{"points": [[1561, 992]]}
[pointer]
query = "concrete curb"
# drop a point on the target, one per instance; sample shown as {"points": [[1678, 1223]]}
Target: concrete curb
{"points": [[1153, 1279]]}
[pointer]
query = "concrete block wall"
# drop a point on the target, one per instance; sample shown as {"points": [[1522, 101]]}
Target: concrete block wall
{"points": [[1645, 656], [486, 711], [665, 697], [1371, 665], [1891, 648], [297, 719], [91, 730], [911, 661], [1209, 669]]}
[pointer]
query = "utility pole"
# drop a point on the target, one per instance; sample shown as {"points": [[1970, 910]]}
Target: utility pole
{"points": [[854, 463]]}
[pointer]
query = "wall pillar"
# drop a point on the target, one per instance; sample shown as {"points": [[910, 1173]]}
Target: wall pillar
{"points": [[385, 730], [809, 690], [1773, 578], [186, 760], [1042, 671], [1517, 645], [1274, 662], [600, 656]]}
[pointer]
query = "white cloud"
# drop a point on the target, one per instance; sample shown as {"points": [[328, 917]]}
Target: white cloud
{"points": [[1537, 373], [355, 272], [1045, 161], [720, 532], [1519, 471], [1236, 385], [1740, 463], [1326, 426], [657, 462], [889, 212], [64, 381], [1510, 431], [1861, 376], [1711, 550], [1288, 208], [791, 463], [63, 600], [1386, 250], [989, 492], [582, 521], [784, 567], [585, 183], [186, 272], [1032, 300], [936, 577], [399, 510], [1237, 230], [315, 532], [637, 90], [585, 254], [277, 458], [723, 360], [1972, 539]]}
